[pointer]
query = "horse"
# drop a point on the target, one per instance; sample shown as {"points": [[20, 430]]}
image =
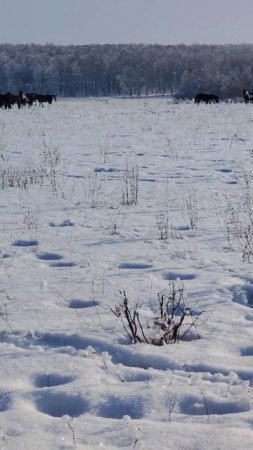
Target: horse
{"points": [[25, 99], [15, 100], [8, 99], [47, 98], [207, 98], [33, 97], [248, 96], [4, 101]]}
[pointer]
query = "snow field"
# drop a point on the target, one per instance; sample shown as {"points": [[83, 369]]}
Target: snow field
{"points": [[68, 377]]}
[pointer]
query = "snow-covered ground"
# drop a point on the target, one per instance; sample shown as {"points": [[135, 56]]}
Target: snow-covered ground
{"points": [[71, 246]]}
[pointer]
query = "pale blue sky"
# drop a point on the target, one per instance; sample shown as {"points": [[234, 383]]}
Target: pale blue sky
{"points": [[126, 21]]}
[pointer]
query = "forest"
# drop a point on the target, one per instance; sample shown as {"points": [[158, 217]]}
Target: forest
{"points": [[127, 69]]}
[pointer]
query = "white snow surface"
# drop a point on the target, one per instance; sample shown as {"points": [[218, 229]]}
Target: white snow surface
{"points": [[69, 246]]}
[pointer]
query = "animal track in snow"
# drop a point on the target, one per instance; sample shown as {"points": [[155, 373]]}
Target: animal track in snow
{"points": [[42, 380], [243, 295], [24, 243], [70, 343], [249, 317], [48, 256], [247, 351], [177, 275], [182, 228], [63, 264], [58, 404], [64, 223], [4, 255], [115, 407], [5, 401], [212, 404], [134, 265], [133, 377], [82, 304], [224, 170], [105, 169]]}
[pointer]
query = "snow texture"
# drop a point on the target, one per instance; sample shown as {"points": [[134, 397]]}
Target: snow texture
{"points": [[70, 243]]}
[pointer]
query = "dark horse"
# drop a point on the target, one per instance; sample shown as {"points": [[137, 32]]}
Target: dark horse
{"points": [[48, 98], [30, 98], [248, 96], [207, 98], [4, 100], [33, 97], [8, 99]]}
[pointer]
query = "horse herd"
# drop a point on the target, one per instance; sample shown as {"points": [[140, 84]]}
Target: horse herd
{"points": [[210, 98], [8, 100]]}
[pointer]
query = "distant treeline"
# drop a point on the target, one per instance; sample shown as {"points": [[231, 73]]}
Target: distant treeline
{"points": [[127, 69]]}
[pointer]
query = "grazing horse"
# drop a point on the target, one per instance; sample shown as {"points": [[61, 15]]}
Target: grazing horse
{"points": [[48, 98], [248, 96], [8, 99], [207, 98], [25, 99], [31, 98], [4, 101], [14, 100]]}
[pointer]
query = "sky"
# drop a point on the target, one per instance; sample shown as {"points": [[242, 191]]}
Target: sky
{"points": [[126, 21]]}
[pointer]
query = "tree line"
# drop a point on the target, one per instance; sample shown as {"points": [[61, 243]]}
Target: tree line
{"points": [[127, 69]]}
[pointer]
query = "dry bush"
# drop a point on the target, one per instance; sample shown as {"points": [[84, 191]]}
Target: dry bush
{"points": [[173, 321], [130, 186]]}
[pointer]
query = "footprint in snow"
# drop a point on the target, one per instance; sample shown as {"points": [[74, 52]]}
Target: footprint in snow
{"points": [[134, 377], [24, 243], [243, 295], [5, 401], [224, 170], [198, 405], [58, 404], [82, 304], [64, 223], [63, 264], [48, 256], [42, 380], [115, 407], [134, 265], [171, 276]]}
